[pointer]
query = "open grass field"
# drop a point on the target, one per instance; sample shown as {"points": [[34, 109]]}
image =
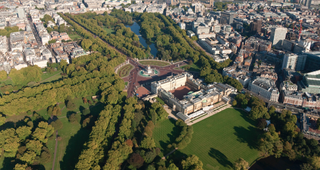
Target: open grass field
{"points": [[218, 140], [125, 70], [164, 134], [154, 63], [221, 139], [193, 67], [75, 36], [47, 77], [109, 31]]}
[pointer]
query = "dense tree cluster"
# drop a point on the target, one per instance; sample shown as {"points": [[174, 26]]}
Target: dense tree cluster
{"points": [[3, 75], [282, 138], [26, 144], [124, 17], [102, 131], [98, 44], [124, 39], [26, 75], [82, 83]]}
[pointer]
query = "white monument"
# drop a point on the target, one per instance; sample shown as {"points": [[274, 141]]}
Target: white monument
{"points": [[149, 70]]}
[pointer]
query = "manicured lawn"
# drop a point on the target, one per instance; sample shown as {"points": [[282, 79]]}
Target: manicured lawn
{"points": [[109, 31], [75, 36], [125, 70], [221, 139], [165, 133], [154, 63], [47, 77], [193, 67]]}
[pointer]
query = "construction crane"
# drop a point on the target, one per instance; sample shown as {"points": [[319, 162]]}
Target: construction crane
{"points": [[300, 30]]}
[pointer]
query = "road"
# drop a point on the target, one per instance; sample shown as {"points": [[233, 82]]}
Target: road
{"points": [[35, 32]]}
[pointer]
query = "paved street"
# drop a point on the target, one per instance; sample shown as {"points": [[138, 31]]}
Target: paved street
{"points": [[35, 33]]}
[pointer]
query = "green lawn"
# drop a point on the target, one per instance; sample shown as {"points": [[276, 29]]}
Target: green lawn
{"points": [[75, 36], [109, 31], [218, 140], [164, 134], [154, 63], [221, 139], [125, 70], [193, 67], [47, 75]]}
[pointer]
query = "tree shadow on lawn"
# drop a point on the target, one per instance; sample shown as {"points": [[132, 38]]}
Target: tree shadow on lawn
{"points": [[220, 157], [75, 144], [247, 135], [74, 148], [172, 137]]}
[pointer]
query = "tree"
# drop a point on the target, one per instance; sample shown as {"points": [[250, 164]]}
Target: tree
{"points": [[71, 105], [20, 166], [272, 110], [318, 124], [172, 166], [73, 118], [43, 132], [192, 162], [135, 160], [148, 143], [57, 125], [315, 161], [54, 110], [45, 157], [240, 164], [84, 100], [150, 155], [86, 111], [63, 65], [234, 103], [306, 166], [28, 157], [262, 123], [86, 44], [35, 146], [3, 75], [2, 120], [23, 132]]}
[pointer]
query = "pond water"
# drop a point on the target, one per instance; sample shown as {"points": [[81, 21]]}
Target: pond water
{"points": [[136, 28]]}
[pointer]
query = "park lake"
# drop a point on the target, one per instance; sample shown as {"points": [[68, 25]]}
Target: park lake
{"points": [[136, 29]]}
